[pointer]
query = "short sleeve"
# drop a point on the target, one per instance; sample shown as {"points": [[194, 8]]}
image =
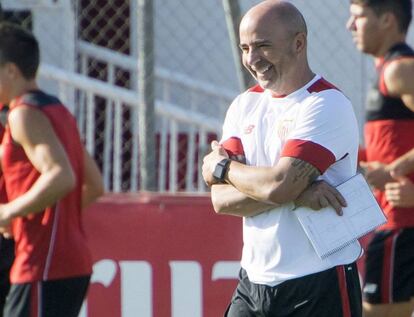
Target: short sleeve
{"points": [[325, 131], [231, 138]]}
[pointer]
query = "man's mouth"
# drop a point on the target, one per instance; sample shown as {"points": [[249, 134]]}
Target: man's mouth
{"points": [[262, 71]]}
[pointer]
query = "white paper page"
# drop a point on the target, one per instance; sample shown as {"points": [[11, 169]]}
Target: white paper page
{"points": [[329, 232]]}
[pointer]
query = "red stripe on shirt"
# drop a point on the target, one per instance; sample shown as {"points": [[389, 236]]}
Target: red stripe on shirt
{"points": [[233, 146], [343, 290], [259, 89], [310, 152], [388, 268], [381, 83], [34, 298], [256, 88], [321, 85]]}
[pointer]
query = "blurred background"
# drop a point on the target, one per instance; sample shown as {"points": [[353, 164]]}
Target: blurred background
{"points": [[149, 83], [149, 129]]}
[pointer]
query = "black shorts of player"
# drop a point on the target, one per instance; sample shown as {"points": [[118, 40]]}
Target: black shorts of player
{"points": [[389, 267], [62, 297], [332, 293], [6, 261]]}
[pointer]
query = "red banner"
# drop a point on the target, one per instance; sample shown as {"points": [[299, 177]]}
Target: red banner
{"points": [[161, 256]]}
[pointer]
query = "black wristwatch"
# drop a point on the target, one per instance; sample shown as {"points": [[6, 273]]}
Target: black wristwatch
{"points": [[221, 169]]}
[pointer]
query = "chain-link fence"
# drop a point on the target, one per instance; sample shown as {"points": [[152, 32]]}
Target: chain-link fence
{"points": [[91, 54]]}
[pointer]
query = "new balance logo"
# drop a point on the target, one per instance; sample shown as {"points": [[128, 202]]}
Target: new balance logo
{"points": [[249, 129]]}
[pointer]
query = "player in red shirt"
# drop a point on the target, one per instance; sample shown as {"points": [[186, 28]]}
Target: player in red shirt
{"points": [[379, 28], [49, 178], [6, 244]]}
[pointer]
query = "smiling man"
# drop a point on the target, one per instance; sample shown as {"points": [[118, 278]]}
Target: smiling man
{"points": [[280, 138]]}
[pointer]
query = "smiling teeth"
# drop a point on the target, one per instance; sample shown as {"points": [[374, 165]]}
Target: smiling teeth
{"points": [[264, 70]]}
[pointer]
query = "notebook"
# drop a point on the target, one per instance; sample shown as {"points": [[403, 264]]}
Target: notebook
{"points": [[328, 232]]}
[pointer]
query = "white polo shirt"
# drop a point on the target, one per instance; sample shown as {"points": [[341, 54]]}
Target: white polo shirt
{"points": [[316, 124]]}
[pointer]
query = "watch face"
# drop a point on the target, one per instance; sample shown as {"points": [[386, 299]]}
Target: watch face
{"points": [[220, 170]]}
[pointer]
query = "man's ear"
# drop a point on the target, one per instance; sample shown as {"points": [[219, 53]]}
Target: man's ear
{"points": [[12, 70], [388, 20], [299, 42]]}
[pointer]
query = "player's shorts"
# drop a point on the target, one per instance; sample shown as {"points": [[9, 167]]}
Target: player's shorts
{"points": [[62, 297], [334, 292], [6, 261], [389, 267], [4, 288]]}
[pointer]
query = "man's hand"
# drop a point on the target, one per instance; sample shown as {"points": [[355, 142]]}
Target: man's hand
{"points": [[377, 174], [401, 193], [210, 161], [320, 195]]}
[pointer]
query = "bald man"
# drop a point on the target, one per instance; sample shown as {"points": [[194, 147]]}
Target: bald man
{"points": [[281, 139]]}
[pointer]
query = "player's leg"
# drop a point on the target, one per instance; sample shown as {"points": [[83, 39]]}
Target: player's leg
{"points": [[22, 300], [389, 310], [243, 302], [63, 297], [389, 281]]}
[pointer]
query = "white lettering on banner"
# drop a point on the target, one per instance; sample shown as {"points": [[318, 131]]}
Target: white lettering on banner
{"points": [[186, 292], [104, 273], [136, 288], [225, 270], [137, 285]]}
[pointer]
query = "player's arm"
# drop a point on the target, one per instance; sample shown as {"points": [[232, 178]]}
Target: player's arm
{"points": [[92, 186], [230, 201], [278, 184], [253, 197], [398, 78], [379, 174], [31, 129], [403, 165], [401, 193], [227, 200]]}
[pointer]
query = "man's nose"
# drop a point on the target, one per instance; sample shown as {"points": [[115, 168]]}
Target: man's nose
{"points": [[252, 56]]}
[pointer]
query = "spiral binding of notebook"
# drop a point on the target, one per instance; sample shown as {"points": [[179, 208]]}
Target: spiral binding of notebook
{"points": [[330, 233]]}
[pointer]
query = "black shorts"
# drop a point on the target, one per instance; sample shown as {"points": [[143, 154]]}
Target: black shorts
{"points": [[389, 267], [6, 261], [334, 292], [62, 297]]}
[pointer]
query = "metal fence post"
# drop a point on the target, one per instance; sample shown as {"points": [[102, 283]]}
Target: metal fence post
{"points": [[146, 123], [232, 13]]}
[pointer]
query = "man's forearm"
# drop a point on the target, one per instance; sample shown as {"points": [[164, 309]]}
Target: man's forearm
{"points": [[404, 164], [228, 200], [278, 184]]}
